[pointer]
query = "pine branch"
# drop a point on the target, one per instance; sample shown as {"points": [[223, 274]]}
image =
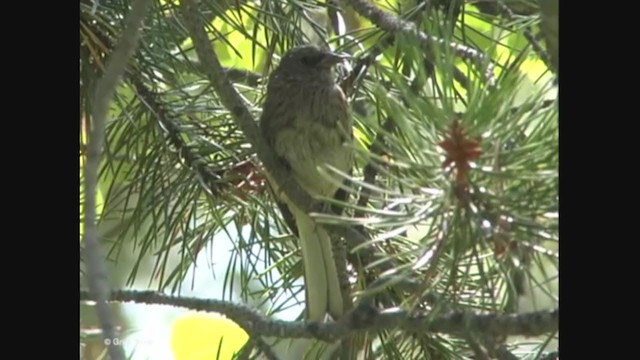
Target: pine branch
{"points": [[518, 7], [394, 24], [243, 76], [542, 53], [96, 272], [361, 319], [504, 354], [550, 23], [363, 63], [210, 178], [256, 343]]}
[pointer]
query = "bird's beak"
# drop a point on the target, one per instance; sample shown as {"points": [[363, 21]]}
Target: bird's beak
{"points": [[332, 59]]}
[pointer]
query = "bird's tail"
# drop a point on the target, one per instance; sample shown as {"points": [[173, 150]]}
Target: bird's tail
{"points": [[321, 276]]}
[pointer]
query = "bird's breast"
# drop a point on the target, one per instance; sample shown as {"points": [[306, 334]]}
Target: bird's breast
{"points": [[315, 136]]}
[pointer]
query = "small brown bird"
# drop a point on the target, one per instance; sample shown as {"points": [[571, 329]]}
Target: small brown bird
{"points": [[307, 120]]}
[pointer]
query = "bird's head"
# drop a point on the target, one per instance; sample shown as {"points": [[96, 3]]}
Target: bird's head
{"points": [[309, 61]]}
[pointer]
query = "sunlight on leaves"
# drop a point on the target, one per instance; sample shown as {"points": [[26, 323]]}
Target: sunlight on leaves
{"points": [[241, 55]]}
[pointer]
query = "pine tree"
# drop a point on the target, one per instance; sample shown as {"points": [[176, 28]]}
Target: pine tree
{"points": [[452, 208]]}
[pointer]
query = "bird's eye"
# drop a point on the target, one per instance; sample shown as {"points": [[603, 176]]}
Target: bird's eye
{"points": [[310, 60]]}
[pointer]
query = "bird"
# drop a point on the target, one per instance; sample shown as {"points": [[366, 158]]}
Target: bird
{"points": [[306, 119]]}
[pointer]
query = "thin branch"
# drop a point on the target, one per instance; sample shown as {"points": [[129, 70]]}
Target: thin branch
{"points": [[502, 353], [542, 53], [359, 320], [549, 29], [236, 75], [340, 259], [520, 8], [96, 271], [265, 349], [363, 63], [244, 76], [487, 346], [554, 355], [211, 179], [525, 108], [256, 343], [247, 349], [394, 24], [478, 350]]}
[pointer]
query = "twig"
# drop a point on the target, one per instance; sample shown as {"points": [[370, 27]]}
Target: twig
{"points": [[243, 76], [364, 62], [96, 270], [247, 349], [263, 348], [393, 24], [502, 353], [479, 351], [211, 179], [489, 7], [340, 259], [359, 320], [488, 347], [528, 324], [544, 55], [528, 107], [549, 30]]}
